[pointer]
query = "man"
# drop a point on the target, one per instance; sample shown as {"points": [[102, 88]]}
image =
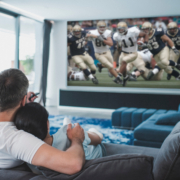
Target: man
{"points": [[128, 40], [70, 61], [156, 44], [18, 146], [76, 76], [160, 24], [76, 42], [101, 40], [174, 34], [143, 63]]}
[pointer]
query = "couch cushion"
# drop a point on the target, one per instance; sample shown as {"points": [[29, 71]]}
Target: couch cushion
{"points": [[126, 117], [112, 149], [168, 119], [148, 113], [149, 131], [116, 116], [137, 117], [21, 172], [116, 167], [167, 163]]}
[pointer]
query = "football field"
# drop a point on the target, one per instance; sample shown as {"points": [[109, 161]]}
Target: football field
{"points": [[106, 81]]}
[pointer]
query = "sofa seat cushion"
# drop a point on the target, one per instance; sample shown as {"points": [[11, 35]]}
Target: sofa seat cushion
{"points": [[167, 163], [116, 167], [168, 119], [149, 131], [112, 149]]}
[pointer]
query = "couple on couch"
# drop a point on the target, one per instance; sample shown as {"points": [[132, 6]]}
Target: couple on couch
{"points": [[69, 160], [18, 146]]}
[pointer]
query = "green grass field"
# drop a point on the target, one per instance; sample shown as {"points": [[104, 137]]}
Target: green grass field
{"points": [[106, 81]]}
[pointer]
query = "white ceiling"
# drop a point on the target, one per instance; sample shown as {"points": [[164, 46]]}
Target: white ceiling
{"points": [[97, 9]]}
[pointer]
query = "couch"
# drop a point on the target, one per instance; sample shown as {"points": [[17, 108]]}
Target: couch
{"points": [[123, 162], [151, 126]]}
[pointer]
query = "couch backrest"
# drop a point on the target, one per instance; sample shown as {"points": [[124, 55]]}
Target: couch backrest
{"points": [[167, 163]]}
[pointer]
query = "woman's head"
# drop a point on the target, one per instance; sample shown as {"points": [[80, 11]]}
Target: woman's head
{"points": [[32, 118]]}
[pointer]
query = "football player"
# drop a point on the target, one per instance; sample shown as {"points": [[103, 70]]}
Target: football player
{"points": [[70, 62], [127, 37], [69, 29], [76, 76], [76, 42], [156, 45], [144, 57], [173, 33], [101, 40]]}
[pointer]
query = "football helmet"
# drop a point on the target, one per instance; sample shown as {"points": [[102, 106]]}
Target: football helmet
{"points": [[172, 28], [122, 28], [69, 29], [76, 31], [101, 26], [147, 27]]}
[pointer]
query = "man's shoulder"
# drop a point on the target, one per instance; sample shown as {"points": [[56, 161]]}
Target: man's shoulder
{"points": [[107, 32]]}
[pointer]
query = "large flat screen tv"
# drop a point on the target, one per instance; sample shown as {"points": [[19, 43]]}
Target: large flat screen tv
{"points": [[136, 54]]}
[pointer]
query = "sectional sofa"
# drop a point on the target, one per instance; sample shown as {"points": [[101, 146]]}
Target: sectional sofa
{"points": [[151, 126]]}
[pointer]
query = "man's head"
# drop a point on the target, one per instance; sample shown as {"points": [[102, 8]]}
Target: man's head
{"points": [[122, 28], [172, 28], [76, 30], [101, 26], [13, 88], [147, 27], [32, 118]]}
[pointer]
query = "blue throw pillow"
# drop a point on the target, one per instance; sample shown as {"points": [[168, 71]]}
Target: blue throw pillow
{"points": [[168, 119]]}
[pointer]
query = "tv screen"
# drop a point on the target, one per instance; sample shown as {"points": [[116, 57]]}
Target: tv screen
{"points": [[124, 53]]}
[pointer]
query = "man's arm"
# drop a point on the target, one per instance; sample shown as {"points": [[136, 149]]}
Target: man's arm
{"points": [[168, 40], [170, 43], [108, 41], [69, 161]]}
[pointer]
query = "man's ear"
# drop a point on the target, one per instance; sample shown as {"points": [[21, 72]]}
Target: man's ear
{"points": [[23, 102]]}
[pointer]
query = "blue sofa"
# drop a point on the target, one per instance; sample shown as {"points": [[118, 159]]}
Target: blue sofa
{"points": [[150, 126]]}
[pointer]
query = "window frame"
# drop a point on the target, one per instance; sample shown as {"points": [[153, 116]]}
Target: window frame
{"points": [[17, 31]]}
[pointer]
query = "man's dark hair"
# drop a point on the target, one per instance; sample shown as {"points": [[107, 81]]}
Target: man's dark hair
{"points": [[32, 118], [13, 87]]}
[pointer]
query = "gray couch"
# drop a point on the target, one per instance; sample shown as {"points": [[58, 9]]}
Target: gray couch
{"points": [[122, 163]]}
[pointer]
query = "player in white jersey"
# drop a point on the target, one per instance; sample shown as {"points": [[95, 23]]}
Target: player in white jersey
{"points": [[76, 76], [127, 37], [101, 40]]}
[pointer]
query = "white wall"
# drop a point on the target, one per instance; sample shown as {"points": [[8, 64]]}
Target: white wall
{"points": [[57, 63], [120, 9]]}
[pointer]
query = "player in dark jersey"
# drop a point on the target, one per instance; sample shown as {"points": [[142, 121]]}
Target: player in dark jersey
{"points": [[173, 33], [156, 44], [76, 42]]}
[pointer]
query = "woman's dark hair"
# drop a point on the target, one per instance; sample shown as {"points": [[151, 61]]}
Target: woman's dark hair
{"points": [[32, 118]]}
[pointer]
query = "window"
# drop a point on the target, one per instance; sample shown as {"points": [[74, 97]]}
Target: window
{"points": [[7, 41], [30, 51]]}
